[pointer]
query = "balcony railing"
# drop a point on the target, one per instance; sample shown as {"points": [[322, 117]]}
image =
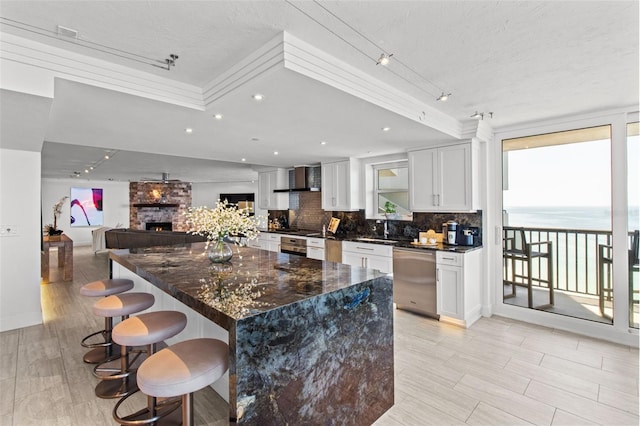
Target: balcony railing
{"points": [[575, 253]]}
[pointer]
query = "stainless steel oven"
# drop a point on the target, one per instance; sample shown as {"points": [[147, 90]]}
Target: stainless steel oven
{"points": [[292, 245]]}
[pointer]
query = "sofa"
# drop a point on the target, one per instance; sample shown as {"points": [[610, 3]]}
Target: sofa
{"points": [[133, 238]]}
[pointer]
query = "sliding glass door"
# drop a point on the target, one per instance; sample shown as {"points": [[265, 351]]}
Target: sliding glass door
{"points": [[633, 190], [557, 231]]}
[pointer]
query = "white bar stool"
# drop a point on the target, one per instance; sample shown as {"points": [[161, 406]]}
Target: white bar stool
{"points": [[146, 329], [103, 351], [115, 382], [180, 370]]}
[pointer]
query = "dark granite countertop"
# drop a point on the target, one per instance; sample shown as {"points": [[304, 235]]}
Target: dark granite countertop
{"points": [[393, 241], [254, 281]]}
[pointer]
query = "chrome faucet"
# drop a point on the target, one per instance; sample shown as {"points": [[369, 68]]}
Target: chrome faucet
{"points": [[386, 227]]}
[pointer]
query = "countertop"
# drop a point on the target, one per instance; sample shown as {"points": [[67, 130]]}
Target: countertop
{"points": [[392, 241], [255, 281]]}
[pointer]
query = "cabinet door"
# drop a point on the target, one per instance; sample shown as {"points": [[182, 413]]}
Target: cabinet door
{"points": [[381, 263], [422, 180], [315, 253], [342, 185], [267, 182], [353, 259], [449, 288], [454, 179], [329, 201], [264, 192]]}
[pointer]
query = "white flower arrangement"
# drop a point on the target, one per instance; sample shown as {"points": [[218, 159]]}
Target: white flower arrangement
{"points": [[235, 302], [222, 221]]}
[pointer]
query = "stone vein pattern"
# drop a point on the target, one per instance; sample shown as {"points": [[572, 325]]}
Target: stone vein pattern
{"points": [[319, 346]]}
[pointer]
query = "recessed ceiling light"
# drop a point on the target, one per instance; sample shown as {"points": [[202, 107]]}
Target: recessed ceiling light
{"points": [[386, 129], [244, 159], [275, 152], [218, 116], [106, 157], [86, 170], [188, 130], [323, 143], [258, 96]]}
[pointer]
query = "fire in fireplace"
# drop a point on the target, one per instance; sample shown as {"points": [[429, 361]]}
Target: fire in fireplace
{"points": [[158, 226]]}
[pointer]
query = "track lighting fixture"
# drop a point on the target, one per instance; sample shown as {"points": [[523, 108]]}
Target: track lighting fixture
{"points": [[384, 59], [168, 63], [443, 97], [480, 115]]}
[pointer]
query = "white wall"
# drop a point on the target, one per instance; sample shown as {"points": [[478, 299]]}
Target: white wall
{"points": [[115, 204], [20, 253]]}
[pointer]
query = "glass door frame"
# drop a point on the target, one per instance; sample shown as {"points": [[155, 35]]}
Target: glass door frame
{"points": [[620, 330]]}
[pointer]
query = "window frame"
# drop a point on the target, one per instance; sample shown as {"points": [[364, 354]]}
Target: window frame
{"points": [[376, 191]]}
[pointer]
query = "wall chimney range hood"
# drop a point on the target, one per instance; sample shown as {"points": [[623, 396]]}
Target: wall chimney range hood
{"points": [[304, 180]]}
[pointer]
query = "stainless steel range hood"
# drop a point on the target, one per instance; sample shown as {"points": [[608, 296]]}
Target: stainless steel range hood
{"points": [[304, 180]]}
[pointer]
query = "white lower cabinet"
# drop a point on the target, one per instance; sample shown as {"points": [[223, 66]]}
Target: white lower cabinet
{"points": [[458, 286], [255, 243], [370, 256], [315, 248], [273, 242]]}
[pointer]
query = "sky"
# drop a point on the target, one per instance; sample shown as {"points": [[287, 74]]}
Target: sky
{"points": [[567, 175]]}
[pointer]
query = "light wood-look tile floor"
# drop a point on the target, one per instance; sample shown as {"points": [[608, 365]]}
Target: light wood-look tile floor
{"points": [[498, 372]]}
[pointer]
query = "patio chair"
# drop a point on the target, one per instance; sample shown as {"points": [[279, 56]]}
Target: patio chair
{"points": [[605, 285], [516, 249]]}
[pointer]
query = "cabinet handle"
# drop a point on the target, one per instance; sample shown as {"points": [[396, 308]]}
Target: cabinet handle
{"points": [[433, 199], [448, 258], [364, 248], [438, 199]]}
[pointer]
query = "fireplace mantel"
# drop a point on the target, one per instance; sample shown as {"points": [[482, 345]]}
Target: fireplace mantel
{"points": [[158, 205]]}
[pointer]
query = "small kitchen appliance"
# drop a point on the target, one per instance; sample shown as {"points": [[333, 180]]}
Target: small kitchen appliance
{"points": [[452, 232]]}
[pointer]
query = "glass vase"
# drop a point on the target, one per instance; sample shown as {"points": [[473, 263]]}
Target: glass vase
{"points": [[219, 251]]}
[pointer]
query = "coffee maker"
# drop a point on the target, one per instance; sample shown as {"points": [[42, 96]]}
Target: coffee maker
{"points": [[452, 232]]}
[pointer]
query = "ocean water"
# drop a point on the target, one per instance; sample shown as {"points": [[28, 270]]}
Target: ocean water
{"points": [[566, 217]]}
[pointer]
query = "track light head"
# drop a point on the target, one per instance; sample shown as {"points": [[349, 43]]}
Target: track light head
{"points": [[384, 59], [443, 97]]}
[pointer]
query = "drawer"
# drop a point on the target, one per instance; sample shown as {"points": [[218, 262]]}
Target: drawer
{"points": [[315, 242], [448, 258], [367, 249], [273, 237], [315, 253]]}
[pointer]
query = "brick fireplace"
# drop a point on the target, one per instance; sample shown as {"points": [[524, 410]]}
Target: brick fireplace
{"points": [[151, 202]]}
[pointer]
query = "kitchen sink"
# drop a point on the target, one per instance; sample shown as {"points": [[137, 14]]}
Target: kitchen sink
{"points": [[375, 240]]}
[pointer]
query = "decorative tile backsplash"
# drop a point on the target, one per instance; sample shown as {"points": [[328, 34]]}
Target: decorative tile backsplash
{"points": [[305, 212]]}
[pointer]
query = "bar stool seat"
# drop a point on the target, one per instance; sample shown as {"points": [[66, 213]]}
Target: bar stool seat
{"points": [[180, 370], [146, 329], [106, 287], [118, 305], [103, 351]]}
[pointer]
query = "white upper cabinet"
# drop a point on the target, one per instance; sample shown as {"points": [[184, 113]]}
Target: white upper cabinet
{"points": [[267, 182], [444, 178], [341, 185]]}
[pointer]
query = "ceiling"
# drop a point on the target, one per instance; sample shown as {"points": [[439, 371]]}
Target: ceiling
{"points": [[522, 61]]}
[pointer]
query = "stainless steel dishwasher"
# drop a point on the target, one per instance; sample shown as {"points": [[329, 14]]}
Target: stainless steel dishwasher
{"points": [[414, 280]]}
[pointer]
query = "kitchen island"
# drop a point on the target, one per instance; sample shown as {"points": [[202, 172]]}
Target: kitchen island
{"points": [[310, 342]]}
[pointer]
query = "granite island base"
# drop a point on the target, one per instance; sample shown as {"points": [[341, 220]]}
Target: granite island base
{"points": [[311, 342]]}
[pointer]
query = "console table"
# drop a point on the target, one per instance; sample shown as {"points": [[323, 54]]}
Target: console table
{"points": [[65, 257]]}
